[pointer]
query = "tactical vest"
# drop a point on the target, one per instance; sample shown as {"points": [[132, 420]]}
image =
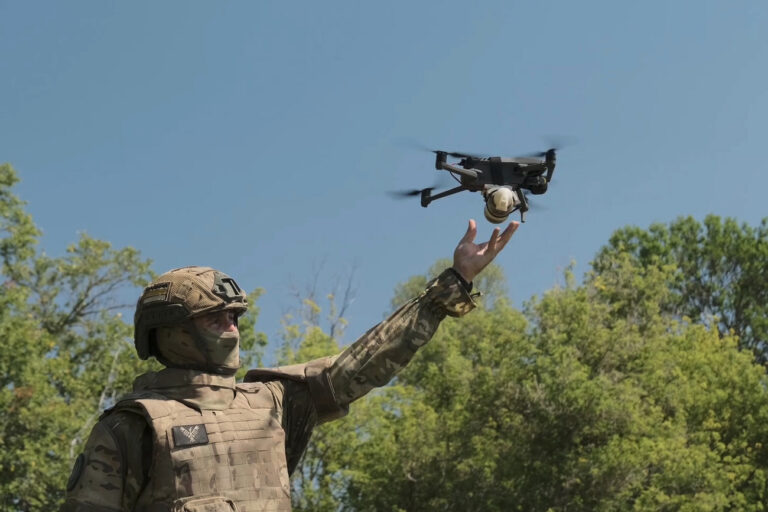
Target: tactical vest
{"points": [[215, 461]]}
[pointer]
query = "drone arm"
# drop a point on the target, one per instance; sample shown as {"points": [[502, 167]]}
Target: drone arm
{"points": [[469, 173], [426, 198]]}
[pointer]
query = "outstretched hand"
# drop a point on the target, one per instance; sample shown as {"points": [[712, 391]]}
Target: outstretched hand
{"points": [[470, 258]]}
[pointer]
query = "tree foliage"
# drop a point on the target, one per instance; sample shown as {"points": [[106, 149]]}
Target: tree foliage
{"points": [[64, 350], [721, 268], [592, 398]]}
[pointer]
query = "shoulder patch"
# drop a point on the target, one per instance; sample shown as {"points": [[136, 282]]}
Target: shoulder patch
{"points": [[189, 435]]}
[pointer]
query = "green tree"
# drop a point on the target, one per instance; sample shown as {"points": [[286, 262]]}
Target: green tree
{"points": [[721, 269], [591, 399], [64, 350]]}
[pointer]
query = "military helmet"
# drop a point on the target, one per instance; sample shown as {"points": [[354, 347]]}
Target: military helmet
{"points": [[178, 295]]}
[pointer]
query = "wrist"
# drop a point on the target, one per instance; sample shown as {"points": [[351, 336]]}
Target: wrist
{"points": [[448, 293], [467, 283]]}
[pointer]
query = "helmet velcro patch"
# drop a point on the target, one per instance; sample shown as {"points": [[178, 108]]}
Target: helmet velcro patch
{"points": [[156, 292]]}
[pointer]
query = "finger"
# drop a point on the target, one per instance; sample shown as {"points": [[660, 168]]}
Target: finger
{"points": [[507, 234], [469, 236], [494, 239]]}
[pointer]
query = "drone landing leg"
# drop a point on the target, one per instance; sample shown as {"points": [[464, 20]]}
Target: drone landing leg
{"points": [[523, 206], [426, 198]]}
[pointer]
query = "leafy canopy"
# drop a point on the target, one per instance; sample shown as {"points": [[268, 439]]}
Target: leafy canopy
{"points": [[720, 271], [594, 397]]}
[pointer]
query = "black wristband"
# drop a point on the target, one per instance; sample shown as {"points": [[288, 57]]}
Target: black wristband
{"points": [[466, 284]]}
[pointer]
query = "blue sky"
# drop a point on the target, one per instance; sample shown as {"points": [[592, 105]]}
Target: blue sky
{"points": [[260, 137]]}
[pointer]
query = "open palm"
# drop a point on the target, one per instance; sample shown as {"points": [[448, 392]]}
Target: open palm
{"points": [[470, 258]]}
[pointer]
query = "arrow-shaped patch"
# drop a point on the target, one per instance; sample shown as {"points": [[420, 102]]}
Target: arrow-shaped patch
{"points": [[189, 435]]}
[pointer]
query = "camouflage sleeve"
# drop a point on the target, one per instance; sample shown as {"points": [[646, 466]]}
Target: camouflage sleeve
{"points": [[321, 390], [380, 353], [110, 473]]}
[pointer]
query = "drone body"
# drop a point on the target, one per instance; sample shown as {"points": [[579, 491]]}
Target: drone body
{"points": [[501, 180]]}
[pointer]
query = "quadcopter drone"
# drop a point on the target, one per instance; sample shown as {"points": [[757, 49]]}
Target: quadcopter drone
{"points": [[501, 180]]}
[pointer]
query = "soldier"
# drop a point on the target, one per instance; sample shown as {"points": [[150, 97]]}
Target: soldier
{"points": [[190, 439]]}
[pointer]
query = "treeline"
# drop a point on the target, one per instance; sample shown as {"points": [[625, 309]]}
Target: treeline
{"points": [[640, 387]]}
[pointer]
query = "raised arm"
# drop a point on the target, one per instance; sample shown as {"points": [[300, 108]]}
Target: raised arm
{"points": [[380, 353], [330, 384]]}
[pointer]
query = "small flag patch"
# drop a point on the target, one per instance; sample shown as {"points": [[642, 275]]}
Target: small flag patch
{"points": [[155, 293]]}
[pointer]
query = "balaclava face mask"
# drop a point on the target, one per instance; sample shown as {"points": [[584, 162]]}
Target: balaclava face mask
{"points": [[189, 347]]}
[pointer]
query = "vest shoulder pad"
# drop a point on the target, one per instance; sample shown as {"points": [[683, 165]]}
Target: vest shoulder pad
{"points": [[295, 372], [128, 403], [148, 404], [315, 375]]}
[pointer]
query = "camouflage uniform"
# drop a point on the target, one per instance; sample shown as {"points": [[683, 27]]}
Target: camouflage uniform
{"points": [[125, 453]]}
